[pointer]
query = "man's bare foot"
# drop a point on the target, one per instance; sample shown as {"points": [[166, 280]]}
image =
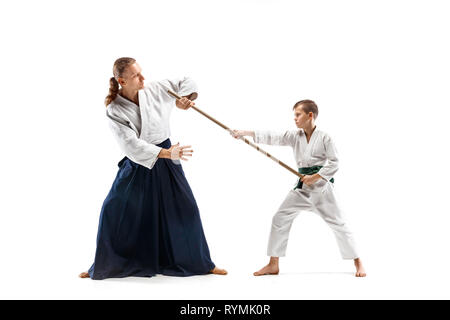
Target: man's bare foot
{"points": [[84, 275], [360, 272], [218, 271]]}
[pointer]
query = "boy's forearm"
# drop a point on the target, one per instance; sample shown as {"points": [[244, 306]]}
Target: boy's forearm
{"points": [[242, 133], [317, 176], [250, 134]]}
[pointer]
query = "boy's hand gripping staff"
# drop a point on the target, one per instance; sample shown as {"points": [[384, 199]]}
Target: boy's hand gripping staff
{"points": [[281, 163]]}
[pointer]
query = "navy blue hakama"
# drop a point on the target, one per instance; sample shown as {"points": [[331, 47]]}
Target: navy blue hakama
{"points": [[150, 224]]}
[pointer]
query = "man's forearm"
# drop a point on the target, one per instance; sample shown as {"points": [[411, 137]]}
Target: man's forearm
{"points": [[192, 96], [164, 154]]}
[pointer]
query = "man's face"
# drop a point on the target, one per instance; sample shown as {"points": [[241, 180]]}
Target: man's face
{"points": [[132, 78], [300, 117]]}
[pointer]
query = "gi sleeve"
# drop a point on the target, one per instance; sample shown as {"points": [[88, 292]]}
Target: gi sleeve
{"points": [[327, 172], [182, 86], [135, 149], [276, 138]]}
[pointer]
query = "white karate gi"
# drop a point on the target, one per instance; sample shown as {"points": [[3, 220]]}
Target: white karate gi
{"points": [[319, 197], [138, 129]]}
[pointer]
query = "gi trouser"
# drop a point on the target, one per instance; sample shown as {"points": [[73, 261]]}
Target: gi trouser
{"points": [[320, 199]]}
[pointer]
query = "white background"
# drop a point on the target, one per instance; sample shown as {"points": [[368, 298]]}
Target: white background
{"points": [[379, 71]]}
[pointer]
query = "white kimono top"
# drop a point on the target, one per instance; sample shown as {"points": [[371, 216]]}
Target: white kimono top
{"points": [[320, 151], [138, 129]]}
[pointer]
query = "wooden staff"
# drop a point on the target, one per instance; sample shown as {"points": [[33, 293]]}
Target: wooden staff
{"points": [[281, 163]]}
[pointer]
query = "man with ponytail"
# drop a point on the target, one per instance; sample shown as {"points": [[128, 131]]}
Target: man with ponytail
{"points": [[149, 222]]}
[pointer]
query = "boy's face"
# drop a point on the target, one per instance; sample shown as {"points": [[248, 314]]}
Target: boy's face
{"points": [[302, 118]]}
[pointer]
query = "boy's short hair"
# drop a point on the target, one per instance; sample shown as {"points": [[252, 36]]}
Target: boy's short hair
{"points": [[308, 106]]}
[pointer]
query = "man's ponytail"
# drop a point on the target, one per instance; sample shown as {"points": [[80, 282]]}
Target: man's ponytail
{"points": [[113, 91]]}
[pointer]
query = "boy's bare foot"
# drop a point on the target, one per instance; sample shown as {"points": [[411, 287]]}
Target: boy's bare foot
{"points": [[84, 275], [218, 271], [267, 270], [360, 272], [271, 268]]}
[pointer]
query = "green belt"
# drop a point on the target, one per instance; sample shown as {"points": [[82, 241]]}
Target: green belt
{"points": [[309, 171]]}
